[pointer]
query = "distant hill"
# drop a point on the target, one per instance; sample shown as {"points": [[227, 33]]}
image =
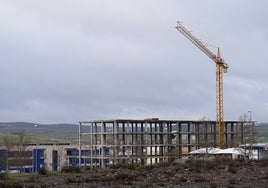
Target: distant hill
{"points": [[262, 132], [33, 128], [262, 125], [69, 132], [46, 132]]}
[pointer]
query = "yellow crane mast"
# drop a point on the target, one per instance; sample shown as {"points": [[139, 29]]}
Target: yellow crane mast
{"points": [[221, 66]]}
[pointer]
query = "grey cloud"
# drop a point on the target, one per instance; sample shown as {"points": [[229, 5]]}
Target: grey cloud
{"points": [[66, 61]]}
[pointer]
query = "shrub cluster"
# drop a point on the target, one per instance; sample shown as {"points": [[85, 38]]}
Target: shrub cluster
{"points": [[4, 176], [43, 171], [68, 169]]}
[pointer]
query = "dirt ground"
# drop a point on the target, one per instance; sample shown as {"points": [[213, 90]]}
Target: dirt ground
{"points": [[192, 173]]}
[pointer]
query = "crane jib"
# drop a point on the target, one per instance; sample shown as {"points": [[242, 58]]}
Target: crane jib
{"points": [[221, 66]]}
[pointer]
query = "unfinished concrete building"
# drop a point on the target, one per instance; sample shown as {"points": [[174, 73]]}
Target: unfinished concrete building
{"points": [[149, 141]]}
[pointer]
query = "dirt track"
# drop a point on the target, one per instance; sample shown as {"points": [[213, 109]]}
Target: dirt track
{"points": [[209, 174]]}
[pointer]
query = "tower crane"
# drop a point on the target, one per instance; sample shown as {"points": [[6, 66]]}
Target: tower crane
{"points": [[221, 66]]}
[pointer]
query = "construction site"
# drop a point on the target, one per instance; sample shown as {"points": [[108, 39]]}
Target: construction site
{"points": [[144, 109], [105, 143], [151, 141]]}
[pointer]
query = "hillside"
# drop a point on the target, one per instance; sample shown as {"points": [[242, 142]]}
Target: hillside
{"points": [[262, 132], [69, 132], [42, 132]]}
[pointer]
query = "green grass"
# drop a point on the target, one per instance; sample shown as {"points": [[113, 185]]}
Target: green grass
{"points": [[262, 135]]}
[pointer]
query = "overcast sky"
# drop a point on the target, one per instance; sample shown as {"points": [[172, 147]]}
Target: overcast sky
{"points": [[64, 61]]}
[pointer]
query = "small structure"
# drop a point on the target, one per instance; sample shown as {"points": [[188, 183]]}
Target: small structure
{"points": [[230, 153], [203, 153], [33, 157], [256, 151]]}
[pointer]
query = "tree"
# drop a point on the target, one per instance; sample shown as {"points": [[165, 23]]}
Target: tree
{"points": [[16, 148], [22, 148], [245, 128], [9, 144], [249, 132]]}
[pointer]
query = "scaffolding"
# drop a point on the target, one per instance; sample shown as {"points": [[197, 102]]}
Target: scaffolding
{"points": [[150, 141]]}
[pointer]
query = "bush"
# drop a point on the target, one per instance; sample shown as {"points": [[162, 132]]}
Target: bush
{"points": [[232, 169], [200, 179], [42, 171], [4, 176], [10, 184], [68, 169], [124, 165], [263, 162], [194, 165]]}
